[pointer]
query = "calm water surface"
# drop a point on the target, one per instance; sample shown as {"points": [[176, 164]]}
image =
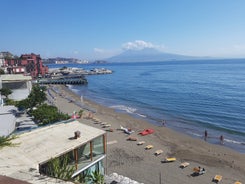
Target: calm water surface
{"points": [[192, 96]]}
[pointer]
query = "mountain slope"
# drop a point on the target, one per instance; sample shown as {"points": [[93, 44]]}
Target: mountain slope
{"points": [[148, 54]]}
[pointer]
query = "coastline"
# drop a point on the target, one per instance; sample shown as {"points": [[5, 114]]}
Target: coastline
{"points": [[128, 159]]}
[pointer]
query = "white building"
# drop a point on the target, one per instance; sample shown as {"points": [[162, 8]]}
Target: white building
{"points": [[7, 120], [1, 59], [20, 85]]}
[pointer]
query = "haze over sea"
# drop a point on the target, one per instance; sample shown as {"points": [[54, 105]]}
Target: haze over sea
{"points": [[192, 96]]}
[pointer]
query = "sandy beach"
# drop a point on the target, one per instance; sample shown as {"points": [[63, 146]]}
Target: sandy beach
{"points": [[129, 159]]}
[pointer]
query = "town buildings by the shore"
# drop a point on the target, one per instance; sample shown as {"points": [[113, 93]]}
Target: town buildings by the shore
{"points": [[63, 60], [27, 64]]}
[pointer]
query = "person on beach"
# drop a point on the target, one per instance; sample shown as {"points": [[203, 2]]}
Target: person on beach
{"points": [[163, 122], [205, 135], [221, 139]]}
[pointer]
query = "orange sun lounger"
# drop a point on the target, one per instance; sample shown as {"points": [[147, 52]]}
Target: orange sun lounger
{"points": [[169, 159], [217, 178], [237, 182]]}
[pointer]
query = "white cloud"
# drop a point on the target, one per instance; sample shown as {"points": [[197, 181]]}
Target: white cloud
{"points": [[135, 45], [239, 47], [75, 52], [98, 50], [140, 44]]}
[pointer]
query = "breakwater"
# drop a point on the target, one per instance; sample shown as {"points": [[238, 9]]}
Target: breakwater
{"points": [[72, 76], [69, 79]]}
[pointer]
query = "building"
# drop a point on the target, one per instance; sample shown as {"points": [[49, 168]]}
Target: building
{"points": [[20, 85], [1, 59], [28, 64], [33, 64], [30, 159]]}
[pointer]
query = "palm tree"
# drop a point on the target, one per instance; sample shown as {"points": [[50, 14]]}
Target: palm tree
{"points": [[96, 177], [6, 141]]}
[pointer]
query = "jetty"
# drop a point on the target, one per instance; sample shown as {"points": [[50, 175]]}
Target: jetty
{"points": [[79, 71], [68, 79], [72, 76]]}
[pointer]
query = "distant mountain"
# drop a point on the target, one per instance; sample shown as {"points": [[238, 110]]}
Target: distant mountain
{"points": [[148, 54]]}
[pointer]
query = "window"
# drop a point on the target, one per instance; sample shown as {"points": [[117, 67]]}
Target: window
{"points": [[98, 147], [83, 155]]}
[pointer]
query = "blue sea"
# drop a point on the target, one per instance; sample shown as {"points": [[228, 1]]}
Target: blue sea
{"points": [[191, 96]]}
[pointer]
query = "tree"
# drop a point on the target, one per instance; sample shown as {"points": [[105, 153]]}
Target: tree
{"points": [[1, 71], [60, 168], [37, 95], [5, 91], [47, 114], [23, 104]]}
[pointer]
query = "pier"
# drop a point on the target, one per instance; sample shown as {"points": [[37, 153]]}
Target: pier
{"points": [[73, 76], [69, 79]]}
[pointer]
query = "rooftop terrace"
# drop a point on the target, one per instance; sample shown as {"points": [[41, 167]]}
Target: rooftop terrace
{"points": [[40, 145]]}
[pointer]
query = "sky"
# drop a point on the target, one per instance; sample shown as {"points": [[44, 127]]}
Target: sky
{"points": [[98, 29]]}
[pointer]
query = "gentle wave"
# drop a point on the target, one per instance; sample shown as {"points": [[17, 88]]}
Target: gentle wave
{"points": [[130, 110], [225, 140], [127, 109], [141, 115], [234, 142]]}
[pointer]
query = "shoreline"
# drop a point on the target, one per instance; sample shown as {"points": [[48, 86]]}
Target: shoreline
{"points": [[178, 124], [128, 159]]}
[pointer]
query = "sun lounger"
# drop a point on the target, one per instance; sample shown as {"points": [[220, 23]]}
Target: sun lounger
{"points": [[149, 147], [198, 171], [184, 164], [106, 125], [158, 152], [169, 159], [237, 182], [217, 178], [103, 123], [141, 143], [95, 120], [132, 139]]}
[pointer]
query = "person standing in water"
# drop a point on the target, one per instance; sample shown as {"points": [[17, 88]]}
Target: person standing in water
{"points": [[163, 122], [221, 139], [205, 135]]}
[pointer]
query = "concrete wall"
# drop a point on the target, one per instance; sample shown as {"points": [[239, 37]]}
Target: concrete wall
{"points": [[7, 120]]}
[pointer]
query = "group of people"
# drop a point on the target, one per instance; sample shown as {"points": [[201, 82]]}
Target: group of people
{"points": [[221, 138]]}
